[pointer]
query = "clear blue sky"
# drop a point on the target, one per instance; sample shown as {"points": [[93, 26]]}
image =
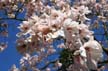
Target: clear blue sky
{"points": [[10, 56]]}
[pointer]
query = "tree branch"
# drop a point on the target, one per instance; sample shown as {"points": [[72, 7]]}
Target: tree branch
{"points": [[17, 19], [17, 12], [52, 62]]}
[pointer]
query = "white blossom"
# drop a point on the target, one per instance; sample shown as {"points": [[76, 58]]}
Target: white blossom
{"points": [[14, 68], [95, 49], [45, 23], [58, 64]]}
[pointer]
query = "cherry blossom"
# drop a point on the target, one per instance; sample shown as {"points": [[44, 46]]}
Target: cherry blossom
{"points": [[48, 20], [67, 22], [94, 50]]}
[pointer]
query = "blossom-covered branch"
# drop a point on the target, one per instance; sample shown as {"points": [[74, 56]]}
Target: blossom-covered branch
{"points": [[47, 20]]}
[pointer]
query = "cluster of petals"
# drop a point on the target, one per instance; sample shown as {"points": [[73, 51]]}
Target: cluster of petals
{"points": [[46, 23]]}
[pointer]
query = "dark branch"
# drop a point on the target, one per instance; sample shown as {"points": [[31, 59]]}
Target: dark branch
{"points": [[52, 62], [17, 19], [17, 12]]}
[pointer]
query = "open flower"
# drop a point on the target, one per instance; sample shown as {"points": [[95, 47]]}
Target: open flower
{"points": [[95, 49], [84, 10], [70, 28], [84, 30], [94, 53]]}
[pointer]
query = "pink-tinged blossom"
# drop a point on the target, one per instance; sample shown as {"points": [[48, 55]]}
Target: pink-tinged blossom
{"points": [[84, 10], [44, 24], [95, 49], [84, 30], [24, 59], [94, 53], [33, 60], [51, 51], [3, 47], [58, 64], [14, 68]]}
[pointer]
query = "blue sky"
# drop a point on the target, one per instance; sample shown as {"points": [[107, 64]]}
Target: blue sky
{"points": [[10, 56]]}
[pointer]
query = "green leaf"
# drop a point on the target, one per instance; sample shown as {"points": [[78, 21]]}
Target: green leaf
{"points": [[66, 58]]}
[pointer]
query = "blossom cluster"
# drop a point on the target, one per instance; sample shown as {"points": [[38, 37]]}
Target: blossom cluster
{"points": [[47, 21]]}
